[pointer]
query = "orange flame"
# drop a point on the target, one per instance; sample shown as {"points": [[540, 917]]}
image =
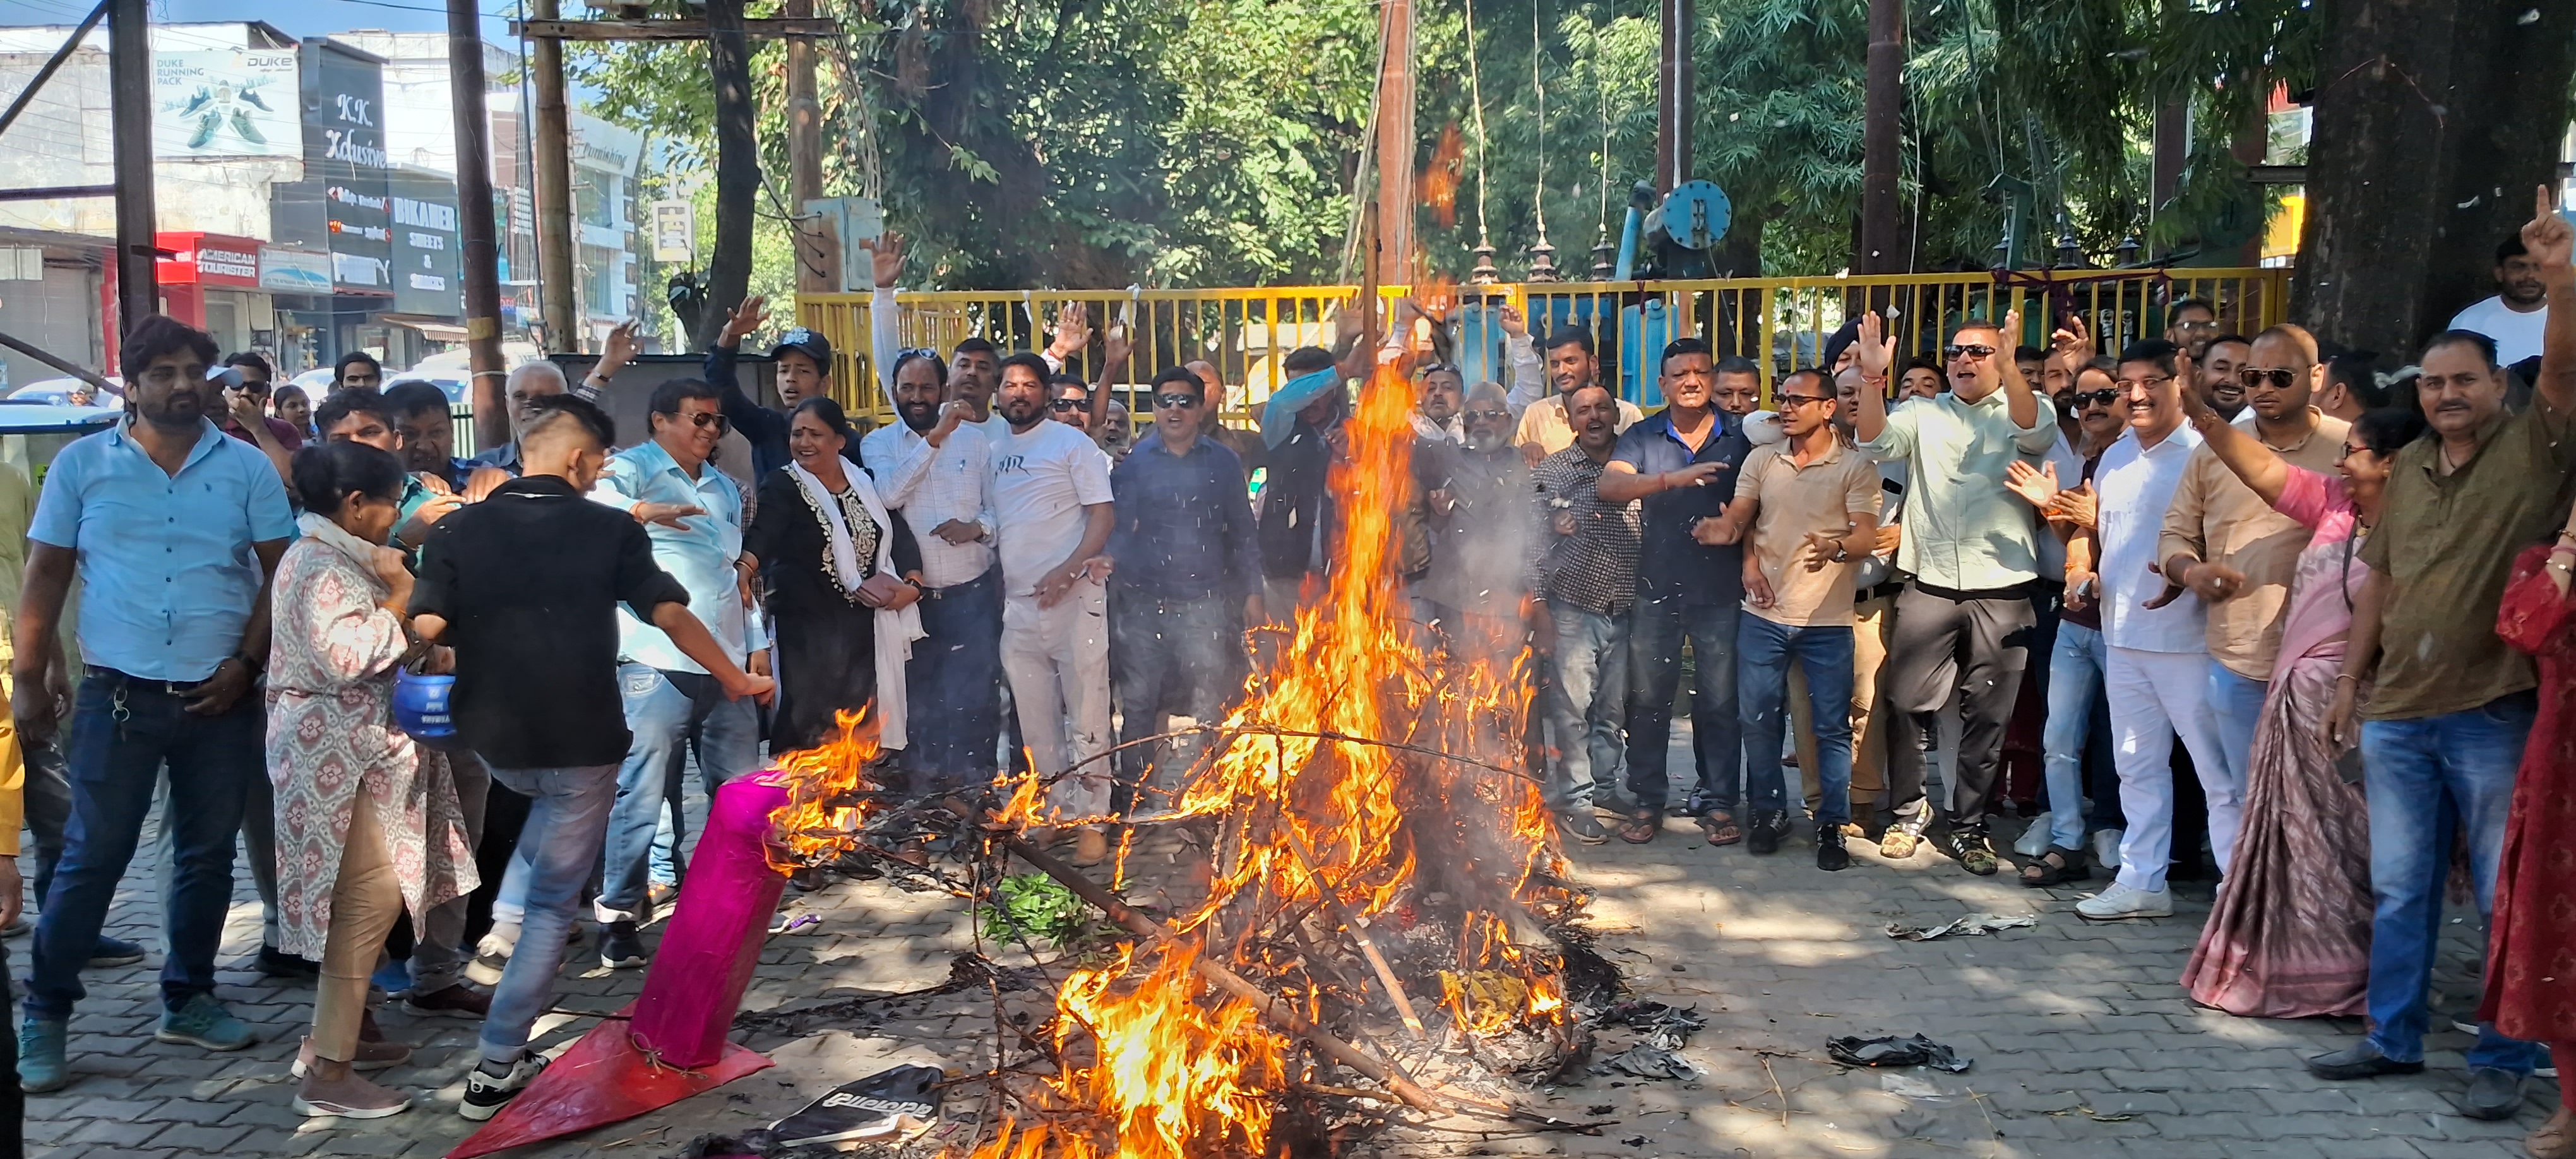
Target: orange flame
{"points": [[1440, 179], [826, 787]]}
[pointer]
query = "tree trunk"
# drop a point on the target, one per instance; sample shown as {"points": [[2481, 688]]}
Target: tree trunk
{"points": [[2383, 111], [1882, 246], [737, 167], [2512, 111]]}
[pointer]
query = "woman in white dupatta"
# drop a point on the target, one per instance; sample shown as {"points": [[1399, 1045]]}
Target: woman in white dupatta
{"points": [[842, 576]]}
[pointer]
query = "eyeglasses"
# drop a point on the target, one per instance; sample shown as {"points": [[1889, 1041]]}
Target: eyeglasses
{"points": [[1494, 416], [2084, 398], [1176, 401], [2129, 384], [2255, 376], [910, 351], [1971, 350], [1788, 400], [1065, 404], [703, 418]]}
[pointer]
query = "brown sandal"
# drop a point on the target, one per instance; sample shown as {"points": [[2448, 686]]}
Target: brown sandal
{"points": [[2058, 865], [1720, 827], [1641, 826]]}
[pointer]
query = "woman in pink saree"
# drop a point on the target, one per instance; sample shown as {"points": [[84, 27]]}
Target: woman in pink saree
{"points": [[2290, 934]]}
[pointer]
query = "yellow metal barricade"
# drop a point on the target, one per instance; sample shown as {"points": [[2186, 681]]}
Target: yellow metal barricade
{"points": [[1779, 323]]}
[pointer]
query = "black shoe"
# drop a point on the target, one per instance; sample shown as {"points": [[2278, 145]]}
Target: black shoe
{"points": [[1973, 852], [2493, 1094], [1582, 826], [277, 963], [1769, 826], [620, 947], [486, 1094], [1830, 854], [2360, 1062]]}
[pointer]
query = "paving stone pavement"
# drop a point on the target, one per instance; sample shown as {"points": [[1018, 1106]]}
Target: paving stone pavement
{"points": [[2082, 1043]]}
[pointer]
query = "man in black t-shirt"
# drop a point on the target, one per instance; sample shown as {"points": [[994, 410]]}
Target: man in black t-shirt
{"points": [[525, 587]]}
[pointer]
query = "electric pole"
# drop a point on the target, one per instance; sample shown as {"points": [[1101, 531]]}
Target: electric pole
{"points": [[479, 263], [1675, 78], [1395, 146], [818, 267], [1882, 245], [557, 278], [129, 79]]}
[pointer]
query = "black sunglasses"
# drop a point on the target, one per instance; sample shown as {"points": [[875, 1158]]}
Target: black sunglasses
{"points": [[1065, 404], [1176, 401], [1972, 350], [701, 418], [2084, 398], [2253, 377]]}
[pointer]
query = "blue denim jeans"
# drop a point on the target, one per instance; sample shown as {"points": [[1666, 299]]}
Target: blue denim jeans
{"points": [[567, 816], [2236, 703], [1585, 702], [2425, 777], [1656, 630], [953, 710], [672, 715], [1171, 655], [2074, 701], [122, 731], [1764, 649]]}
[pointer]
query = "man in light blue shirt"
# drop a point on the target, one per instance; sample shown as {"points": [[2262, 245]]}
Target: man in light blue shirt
{"points": [[695, 516], [174, 529]]}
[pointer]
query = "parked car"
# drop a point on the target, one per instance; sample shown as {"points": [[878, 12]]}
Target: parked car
{"points": [[58, 392]]}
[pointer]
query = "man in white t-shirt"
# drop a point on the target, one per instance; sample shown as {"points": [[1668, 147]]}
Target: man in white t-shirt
{"points": [[1051, 496], [2518, 313]]}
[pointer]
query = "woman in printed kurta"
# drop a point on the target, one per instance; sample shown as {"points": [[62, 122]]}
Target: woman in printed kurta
{"points": [[2531, 947], [367, 822]]}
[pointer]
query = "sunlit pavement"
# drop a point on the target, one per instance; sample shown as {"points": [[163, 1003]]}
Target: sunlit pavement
{"points": [[2081, 1042]]}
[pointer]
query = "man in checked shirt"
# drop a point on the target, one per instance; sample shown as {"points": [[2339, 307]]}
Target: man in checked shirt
{"points": [[1587, 583]]}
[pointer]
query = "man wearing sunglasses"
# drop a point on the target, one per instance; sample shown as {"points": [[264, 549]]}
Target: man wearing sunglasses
{"points": [[1964, 621], [694, 515], [1185, 558], [2230, 548]]}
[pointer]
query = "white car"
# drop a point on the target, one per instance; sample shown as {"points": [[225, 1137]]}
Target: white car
{"points": [[58, 391]]}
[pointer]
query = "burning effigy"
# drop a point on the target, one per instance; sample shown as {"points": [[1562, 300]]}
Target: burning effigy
{"points": [[1379, 922]]}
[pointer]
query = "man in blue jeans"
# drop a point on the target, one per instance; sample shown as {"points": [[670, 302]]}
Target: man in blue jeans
{"points": [[1588, 582], [1807, 509], [694, 515], [525, 586], [1186, 555], [174, 529], [1676, 463], [2449, 703]]}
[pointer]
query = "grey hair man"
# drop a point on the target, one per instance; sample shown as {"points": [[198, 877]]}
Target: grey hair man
{"points": [[528, 382]]}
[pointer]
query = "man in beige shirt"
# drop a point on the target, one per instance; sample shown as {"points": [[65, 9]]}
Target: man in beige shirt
{"points": [[2226, 545], [1811, 504], [1570, 366]]}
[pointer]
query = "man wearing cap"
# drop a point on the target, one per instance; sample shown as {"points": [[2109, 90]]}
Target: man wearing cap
{"points": [[804, 360]]}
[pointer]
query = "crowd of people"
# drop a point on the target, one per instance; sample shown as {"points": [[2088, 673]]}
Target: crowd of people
{"points": [[1936, 589]]}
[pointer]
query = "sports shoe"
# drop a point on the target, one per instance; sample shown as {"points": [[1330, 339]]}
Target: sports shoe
{"points": [[2106, 848], [620, 947], [114, 952], [492, 954], [1830, 854], [277, 963], [1973, 852], [372, 1055], [41, 1066], [1899, 840], [2125, 901], [202, 1021], [349, 1097], [486, 1093], [1769, 826], [1582, 826], [2034, 837], [457, 1001]]}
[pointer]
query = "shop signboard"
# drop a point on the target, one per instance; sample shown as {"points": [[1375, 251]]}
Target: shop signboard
{"points": [[425, 243], [234, 102], [209, 259], [287, 271]]}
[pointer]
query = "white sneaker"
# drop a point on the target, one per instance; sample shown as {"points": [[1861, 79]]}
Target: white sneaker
{"points": [[2034, 840], [2121, 901], [2106, 848]]}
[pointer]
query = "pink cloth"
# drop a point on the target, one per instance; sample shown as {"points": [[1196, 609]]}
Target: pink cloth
{"points": [[713, 942]]}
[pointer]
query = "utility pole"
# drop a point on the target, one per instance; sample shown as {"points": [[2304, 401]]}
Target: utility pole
{"points": [[129, 80], [556, 276], [1882, 244], [1394, 247], [818, 268], [479, 263], [1676, 77]]}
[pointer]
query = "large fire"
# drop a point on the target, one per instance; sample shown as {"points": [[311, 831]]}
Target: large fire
{"points": [[1367, 787]]}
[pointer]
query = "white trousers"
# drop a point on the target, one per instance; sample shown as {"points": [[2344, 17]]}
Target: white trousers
{"points": [[1057, 660], [2154, 696]]}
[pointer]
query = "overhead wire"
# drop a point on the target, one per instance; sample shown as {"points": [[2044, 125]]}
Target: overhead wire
{"points": [[1476, 99]]}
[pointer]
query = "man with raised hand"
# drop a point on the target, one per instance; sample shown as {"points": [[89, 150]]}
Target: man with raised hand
{"points": [[1964, 621]]}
